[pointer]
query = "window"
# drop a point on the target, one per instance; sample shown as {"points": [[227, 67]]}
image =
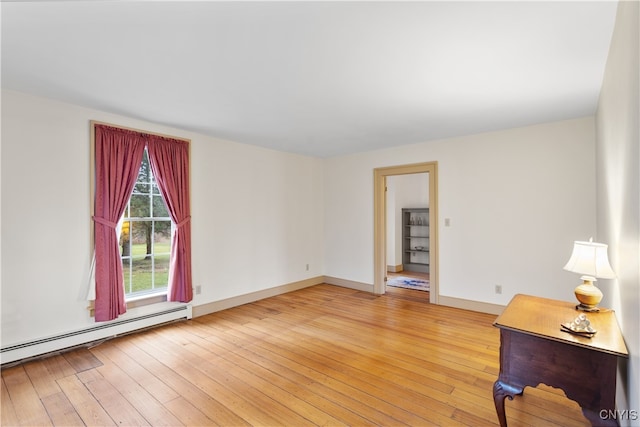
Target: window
{"points": [[152, 253], [145, 237]]}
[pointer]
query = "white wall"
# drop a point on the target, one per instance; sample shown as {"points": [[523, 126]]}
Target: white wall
{"points": [[618, 191], [257, 216], [517, 199], [403, 191]]}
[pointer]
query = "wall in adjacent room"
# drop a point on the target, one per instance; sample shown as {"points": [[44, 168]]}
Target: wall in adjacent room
{"points": [[403, 191], [618, 192], [516, 200], [257, 216]]}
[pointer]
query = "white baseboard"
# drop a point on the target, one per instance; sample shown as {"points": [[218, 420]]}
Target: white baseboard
{"points": [[465, 304], [215, 306], [351, 284], [224, 304]]}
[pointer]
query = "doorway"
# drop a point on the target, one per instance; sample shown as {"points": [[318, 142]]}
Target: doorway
{"points": [[380, 223]]}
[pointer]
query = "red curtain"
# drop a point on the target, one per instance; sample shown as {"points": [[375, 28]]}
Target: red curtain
{"points": [[169, 159], [118, 157]]}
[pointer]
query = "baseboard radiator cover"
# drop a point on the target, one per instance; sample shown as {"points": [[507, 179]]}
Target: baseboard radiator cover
{"points": [[99, 332]]}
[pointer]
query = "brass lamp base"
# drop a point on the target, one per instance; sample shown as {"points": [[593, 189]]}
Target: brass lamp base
{"points": [[588, 294]]}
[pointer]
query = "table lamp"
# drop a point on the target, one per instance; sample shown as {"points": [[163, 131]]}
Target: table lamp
{"points": [[589, 259]]}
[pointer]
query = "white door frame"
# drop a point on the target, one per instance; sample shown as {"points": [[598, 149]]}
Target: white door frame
{"points": [[380, 224]]}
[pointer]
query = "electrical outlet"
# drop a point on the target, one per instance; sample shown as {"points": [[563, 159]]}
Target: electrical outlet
{"points": [[498, 289], [198, 290], [307, 267]]}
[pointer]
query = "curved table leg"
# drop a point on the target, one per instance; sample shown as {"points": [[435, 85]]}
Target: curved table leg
{"points": [[500, 392]]}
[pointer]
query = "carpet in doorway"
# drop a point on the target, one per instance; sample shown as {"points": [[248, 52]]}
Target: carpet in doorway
{"points": [[406, 282]]}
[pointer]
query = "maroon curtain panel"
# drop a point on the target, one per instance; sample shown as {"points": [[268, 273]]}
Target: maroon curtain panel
{"points": [[169, 159], [118, 157]]}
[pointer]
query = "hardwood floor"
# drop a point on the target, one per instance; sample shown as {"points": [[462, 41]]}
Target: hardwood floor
{"points": [[407, 273], [324, 355]]}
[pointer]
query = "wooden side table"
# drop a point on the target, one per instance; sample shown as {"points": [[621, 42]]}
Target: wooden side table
{"points": [[534, 350]]}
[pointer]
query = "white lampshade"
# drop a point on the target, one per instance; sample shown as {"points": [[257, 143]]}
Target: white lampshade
{"points": [[590, 259]]}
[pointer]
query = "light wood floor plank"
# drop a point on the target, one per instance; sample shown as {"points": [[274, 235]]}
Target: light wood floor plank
{"points": [[379, 411], [26, 402], [85, 404], [393, 393], [112, 400], [82, 360], [401, 401], [43, 382], [169, 375], [188, 414], [268, 400], [231, 394], [138, 373], [58, 367], [8, 416], [337, 395], [286, 377], [151, 409], [61, 411], [279, 390]]}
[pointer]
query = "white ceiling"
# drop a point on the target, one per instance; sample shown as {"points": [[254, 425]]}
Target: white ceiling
{"points": [[316, 78]]}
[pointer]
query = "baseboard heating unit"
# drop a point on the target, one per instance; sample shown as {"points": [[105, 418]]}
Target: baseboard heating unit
{"points": [[100, 331]]}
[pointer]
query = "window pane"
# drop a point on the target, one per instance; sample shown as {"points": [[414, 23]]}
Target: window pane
{"points": [[140, 238], [159, 208], [141, 275], [141, 188], [125, 239], [126, 270], [141, 264], [140, 206], [161, 279], [162, 237], [145, 174]]}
